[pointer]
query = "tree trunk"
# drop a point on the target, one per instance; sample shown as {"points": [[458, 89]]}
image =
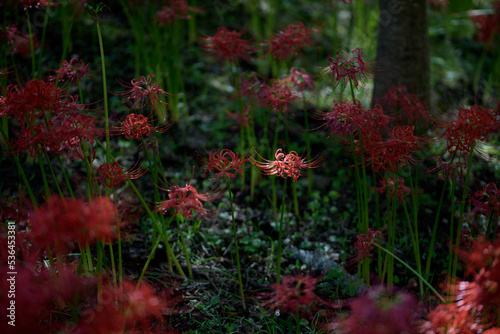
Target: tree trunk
{"points": [[403, 49]]}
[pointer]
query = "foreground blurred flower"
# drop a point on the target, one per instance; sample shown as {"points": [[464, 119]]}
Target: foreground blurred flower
{"points": [[343, 68], [227, 45], [19, 42], [185, 200], [62, 221], [286, 165], [378, 312], [115, 175]]}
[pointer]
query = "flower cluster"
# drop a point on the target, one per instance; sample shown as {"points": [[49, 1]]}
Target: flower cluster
{"points": [[289, 42], [286, 165], [225, 163], [185, 200], [410, 107], [343, 68], [73, 71], [227, 45], [62, 221], [487, 201]]}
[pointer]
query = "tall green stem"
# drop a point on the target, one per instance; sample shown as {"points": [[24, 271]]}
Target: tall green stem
{"points": [[280, 237]]}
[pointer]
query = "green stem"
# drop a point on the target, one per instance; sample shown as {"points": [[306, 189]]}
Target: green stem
{"points": [[433, 236], [280, 237], [240, 282], [32, 46], [412, 270], [184, 248]]}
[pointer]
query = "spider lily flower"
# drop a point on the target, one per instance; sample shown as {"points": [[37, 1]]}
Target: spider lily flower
{"points": [[286, 165], [175, 10], [116, 175], [294, 294], [343, 68], [19, 42], [144, 91], [278, 97], [289, 42], [73, 71], [225, 163], [62, 221], [392, 186], [185, 200], [227, 45], [136, 126]]}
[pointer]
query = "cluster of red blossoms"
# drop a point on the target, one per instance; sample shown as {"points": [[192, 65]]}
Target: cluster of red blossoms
{"points": [[112, 174], [287, 165], [290, 41], [144, 91], [49, 120]]}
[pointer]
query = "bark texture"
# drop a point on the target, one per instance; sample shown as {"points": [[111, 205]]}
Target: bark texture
{"points": [[403, 49]]}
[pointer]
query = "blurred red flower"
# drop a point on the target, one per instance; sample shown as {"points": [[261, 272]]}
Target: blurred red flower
{"points": [[288, 42], [227, 45], [115, 174]]}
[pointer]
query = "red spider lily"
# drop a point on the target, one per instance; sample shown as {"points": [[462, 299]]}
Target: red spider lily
{"points": [[286, 165], [185, 200], [451, 318], [449, 171], [73, 71], [379, 312], [364, 244], [44, 292], [37, 4], [175, 10], [62, 221], [144, 91], [299, 79], [226, 163], [253, 86], [391, 187], [124, 310], [411, 108], [290, 41], [136, 126], [278, 97], [115, 174], [488, 25], [342, 120], [243, 118], [391, 154], [487, 201], [294, 294], [33, 100], [227, 45], [19, 42], [348, 69], [472, 124]]}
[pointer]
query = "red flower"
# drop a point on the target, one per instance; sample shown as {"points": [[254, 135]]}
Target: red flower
{"points": [[343, 120], [448, 171], [450, 318], [226, 163], [278, 97], [73, 71], [136, 126], [488, 26], [290, 41], [177, 9], [411, 108], [472, 124], [286, 165], [378, 312], [348, 69], [391, 187], [185, 200], [37, 4], [227, 45], [62, 221], [300, 79], [115, 174], [487, 201], [144, 91], [20, 42], [294, 294], [364, 244]]}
